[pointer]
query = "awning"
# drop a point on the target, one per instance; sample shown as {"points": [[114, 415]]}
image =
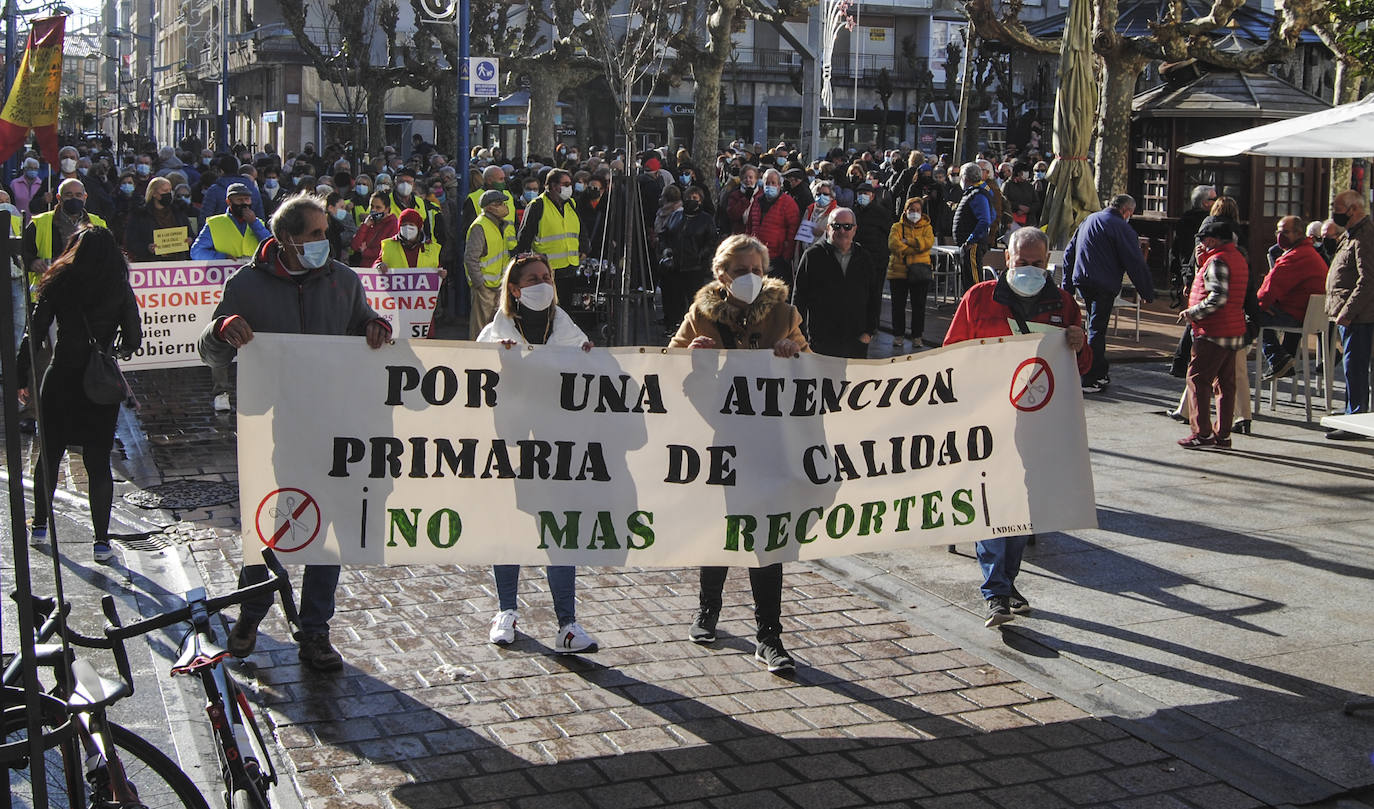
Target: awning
{"points": [[1338, 132]]}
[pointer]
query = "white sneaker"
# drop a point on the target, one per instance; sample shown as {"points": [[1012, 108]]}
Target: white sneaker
{"points": [[573, 639], [221, 403], [502, 627]]}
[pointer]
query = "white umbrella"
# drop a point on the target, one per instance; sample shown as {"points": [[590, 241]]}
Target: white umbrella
{"points": [[1342, 131]]}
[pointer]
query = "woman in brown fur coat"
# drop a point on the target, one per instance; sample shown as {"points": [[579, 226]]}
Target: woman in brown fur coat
{"points": [[743, 308]]}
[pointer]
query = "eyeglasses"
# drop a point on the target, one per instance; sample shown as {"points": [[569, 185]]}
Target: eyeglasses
{"points": [[843, 226]]}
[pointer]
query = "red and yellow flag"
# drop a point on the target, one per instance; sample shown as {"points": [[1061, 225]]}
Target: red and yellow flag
{"points": [[33, 100]]}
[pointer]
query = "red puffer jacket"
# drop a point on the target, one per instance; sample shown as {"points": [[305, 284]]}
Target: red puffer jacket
{"points": [[777, 227], [983, 312], [1229, 320]]}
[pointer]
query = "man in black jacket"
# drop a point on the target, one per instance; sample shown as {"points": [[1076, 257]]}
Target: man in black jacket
{"points": [[838, 291], [874, 221]]}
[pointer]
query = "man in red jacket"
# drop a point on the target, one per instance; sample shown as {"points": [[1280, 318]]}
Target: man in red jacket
{"points": [[1298, 274], [1022, 296], [1216, 309]]}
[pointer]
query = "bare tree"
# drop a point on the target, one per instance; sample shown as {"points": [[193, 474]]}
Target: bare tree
{"points": [[1123, 58], [347, 57], [632, 46], [707, 50]]}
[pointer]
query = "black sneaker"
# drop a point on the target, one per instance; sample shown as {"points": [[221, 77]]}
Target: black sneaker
{"points": [[1018, 603], [243, 639], [771, 654], [999, 611], [1285, 367], [317, 653], [704, 627]]}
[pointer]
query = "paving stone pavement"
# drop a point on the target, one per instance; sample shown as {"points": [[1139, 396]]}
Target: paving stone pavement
{"points": [[881, 712]]}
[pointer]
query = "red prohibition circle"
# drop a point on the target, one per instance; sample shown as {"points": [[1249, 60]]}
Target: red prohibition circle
{"points": [[279, 532], [1032, 385]]}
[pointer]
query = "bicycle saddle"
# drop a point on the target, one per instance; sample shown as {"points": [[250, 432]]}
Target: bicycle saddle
{"points": [[198, 652], [92, 691]]}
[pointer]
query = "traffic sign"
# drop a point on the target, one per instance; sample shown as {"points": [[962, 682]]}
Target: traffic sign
{"points": [[484, 77]]}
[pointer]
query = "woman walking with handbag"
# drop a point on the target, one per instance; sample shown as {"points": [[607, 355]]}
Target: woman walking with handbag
{"points": [[86, 290]]}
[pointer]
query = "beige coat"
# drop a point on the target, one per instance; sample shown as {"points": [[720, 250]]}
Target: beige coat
{"points": [[761, 324]]}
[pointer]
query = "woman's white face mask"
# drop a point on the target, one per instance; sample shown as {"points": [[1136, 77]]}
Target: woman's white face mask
{"points": [[746, 288], [537, 297]]}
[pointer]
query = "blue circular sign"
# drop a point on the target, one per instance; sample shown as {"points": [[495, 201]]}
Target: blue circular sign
{"points": [[486, 71]]}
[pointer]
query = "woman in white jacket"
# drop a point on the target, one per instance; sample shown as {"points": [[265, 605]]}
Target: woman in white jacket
{"points": [[529, 315]]}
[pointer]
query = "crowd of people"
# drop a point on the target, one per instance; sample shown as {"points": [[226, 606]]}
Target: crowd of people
{"points": [[762, 250]]}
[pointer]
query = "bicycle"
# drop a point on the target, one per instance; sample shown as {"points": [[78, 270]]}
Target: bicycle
{"points": [[114, 767], [89, 761], [245, 765]]}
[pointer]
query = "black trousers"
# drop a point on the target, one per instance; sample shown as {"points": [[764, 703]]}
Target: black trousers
{"points": [[766, 582], [848, 347], [918, 291]]}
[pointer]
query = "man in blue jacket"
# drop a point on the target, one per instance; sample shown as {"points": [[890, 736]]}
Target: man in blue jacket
{"points": [[1104, 249], [974, 222], [231, 173]]}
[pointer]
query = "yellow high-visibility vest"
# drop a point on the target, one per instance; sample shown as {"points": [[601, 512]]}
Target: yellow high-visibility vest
{"points": [[42, 227], [500, 244], [394, 255], [557, 235], [226, 237]]}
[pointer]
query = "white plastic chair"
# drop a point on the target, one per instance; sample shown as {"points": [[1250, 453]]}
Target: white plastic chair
{"points": [[1122, 302], [1314, 322]]}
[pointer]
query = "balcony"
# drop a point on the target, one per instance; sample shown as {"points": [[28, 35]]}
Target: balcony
{"points": [[866, 66]]}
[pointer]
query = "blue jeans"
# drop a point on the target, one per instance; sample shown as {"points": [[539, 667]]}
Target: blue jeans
{"points": [[1000, 560], [20, 312], [316, 605], [562, 586], [1356, 341], [1277, 349], [1099, 302]]}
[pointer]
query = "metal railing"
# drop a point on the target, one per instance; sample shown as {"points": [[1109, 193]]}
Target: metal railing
{"points": [[846, 65]]}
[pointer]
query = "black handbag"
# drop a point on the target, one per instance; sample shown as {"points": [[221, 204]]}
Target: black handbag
{"points": [[103, 381]]}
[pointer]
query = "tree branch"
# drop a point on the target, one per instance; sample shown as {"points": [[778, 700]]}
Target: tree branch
{"points": [[1007, 29]]}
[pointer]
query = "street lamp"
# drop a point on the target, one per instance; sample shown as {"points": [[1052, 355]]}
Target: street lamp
{"points": [[461, 13], [119, 34]]}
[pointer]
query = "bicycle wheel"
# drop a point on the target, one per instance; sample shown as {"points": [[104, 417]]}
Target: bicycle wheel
{"points": [[160, 783]]}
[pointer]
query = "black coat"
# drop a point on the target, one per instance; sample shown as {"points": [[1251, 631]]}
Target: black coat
{"points": [[835, 304], [692, 238], [874, 224], [138, 234]]}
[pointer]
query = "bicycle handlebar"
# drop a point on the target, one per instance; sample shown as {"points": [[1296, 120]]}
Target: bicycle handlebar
{"points": [[116, 633]]}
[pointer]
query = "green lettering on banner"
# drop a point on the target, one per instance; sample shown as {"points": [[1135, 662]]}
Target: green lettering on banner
{"points": [[930, 515], [409, 528], [962, 503], [564, 536], [739, 529], [437, 536], [641, 525]]}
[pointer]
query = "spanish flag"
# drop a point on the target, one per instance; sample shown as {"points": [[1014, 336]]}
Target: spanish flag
{"points": [[33, 100]]}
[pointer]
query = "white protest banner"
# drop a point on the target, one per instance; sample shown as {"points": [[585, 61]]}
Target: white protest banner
{"points": [[461, 453], [177, 298]]}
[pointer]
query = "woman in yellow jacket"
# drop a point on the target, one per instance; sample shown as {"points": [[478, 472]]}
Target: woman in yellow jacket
{"points": [[908, 272]]}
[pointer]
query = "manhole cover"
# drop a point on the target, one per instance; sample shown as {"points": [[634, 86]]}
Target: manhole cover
{"points": [[180, 495], [145, 541]]}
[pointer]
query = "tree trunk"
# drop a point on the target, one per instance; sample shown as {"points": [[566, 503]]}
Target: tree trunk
{"points": [[544, 92], [967, 124], [706, 120], [1114, 122], [376, 118], [445, 116], [1347, 90]]}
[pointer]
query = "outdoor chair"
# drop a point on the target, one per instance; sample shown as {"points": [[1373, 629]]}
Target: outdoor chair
{"points": [[1314, 322]]}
